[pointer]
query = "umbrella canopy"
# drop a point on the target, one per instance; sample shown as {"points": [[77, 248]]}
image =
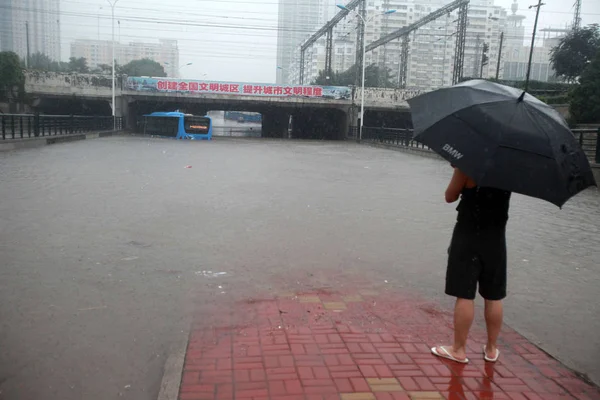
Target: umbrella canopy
{"points": [[503, 138]]}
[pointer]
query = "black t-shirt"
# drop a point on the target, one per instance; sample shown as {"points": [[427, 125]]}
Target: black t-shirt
{"points": [[483, 207]]}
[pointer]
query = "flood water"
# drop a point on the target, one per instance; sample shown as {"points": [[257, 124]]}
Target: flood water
{"points": [[103, 243]]}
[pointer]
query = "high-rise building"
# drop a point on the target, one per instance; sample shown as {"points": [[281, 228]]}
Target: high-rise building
{"points": [[97, 52], [38, 18], [431, 47], [298, 20], [516, 52]]}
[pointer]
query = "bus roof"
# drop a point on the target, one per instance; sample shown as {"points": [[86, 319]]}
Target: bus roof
{"points": [[165, 114], [174, 114]]}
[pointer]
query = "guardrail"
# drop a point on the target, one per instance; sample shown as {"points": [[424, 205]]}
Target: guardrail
{"points": [[589, 139], [390, 136], [22, 126]]}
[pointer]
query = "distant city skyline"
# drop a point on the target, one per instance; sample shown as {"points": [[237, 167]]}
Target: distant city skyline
{"points": [[38, 18], [228, 39]]}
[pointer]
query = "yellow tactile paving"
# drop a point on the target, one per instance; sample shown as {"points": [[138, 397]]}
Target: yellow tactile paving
{"points": [[358, 396], [384, 385], [426, 396], [334, 305], [309, 299]]}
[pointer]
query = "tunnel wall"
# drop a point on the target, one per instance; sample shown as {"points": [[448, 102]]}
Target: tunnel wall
{"points": [[307, 122], [388, 119]]}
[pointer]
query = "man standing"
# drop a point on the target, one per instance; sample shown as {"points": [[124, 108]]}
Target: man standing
{"points": [[477, 256]]}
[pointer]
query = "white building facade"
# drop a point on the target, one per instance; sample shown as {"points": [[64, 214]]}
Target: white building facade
{"points": [[297, 21], [431, 47], [39, 18], [96, 52], [516, 53]]}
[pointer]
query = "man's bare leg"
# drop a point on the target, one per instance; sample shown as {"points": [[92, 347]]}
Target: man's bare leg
{"points": [[493, 322], [464, 312]]}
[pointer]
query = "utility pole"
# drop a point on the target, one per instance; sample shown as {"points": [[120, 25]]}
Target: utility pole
{"points": [[577, 15], [499, 55], [27, 39], [476, 64], [484, 58], [537, 14]]}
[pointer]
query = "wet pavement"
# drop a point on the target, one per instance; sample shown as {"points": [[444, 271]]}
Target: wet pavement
{"points": [[358, 343], [104, 244]]}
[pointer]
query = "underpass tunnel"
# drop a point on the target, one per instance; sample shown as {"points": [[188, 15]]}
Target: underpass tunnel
{"points": [[319, 124], [71, 106], [275, 121], [388, 119]]}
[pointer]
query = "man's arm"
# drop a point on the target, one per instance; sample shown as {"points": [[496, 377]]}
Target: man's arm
{"points": [[458, 182]]}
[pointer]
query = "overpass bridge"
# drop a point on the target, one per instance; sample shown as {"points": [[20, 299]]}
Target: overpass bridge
{"points": [[328, 110]]}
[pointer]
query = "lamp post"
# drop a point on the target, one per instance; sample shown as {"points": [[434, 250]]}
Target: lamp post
{"points": [[364, 60], [537, 14], [113, 3], [179, 69], [99, 22]]}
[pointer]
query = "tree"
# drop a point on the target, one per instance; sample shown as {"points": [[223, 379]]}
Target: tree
{"points": [[143, 67], [374, 77], [40, 61], [78, 65], [575, 51], [585, 98], [11, 74]]}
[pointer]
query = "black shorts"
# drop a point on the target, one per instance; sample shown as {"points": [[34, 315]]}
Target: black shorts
{"points": [[477, 256]]}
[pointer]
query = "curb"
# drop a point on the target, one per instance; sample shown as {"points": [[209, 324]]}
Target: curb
{"points": [[30, 143], [173, 370]]}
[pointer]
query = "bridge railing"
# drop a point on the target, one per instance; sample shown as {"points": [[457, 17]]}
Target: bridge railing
{"points": [[392, 136], [21, 126], [589, 139]]}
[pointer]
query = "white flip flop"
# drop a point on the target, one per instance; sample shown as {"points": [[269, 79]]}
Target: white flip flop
{"points": [[488, 359], [446, 354]]}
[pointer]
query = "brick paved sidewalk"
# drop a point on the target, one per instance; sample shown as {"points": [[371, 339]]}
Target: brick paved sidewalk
{"points": [[360, 345]]}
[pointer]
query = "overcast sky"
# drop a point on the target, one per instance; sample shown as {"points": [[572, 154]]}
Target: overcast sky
{"points": [[228, 39]]}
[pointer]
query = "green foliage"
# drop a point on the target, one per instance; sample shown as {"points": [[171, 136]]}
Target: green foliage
{"points": [[374, 77], [78, 65], [11, 74], [575, 51], [585, 98], [143, 67], [41, 62]]}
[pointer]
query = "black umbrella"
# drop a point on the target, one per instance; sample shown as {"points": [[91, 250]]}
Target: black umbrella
{"points": [[503, 138]]}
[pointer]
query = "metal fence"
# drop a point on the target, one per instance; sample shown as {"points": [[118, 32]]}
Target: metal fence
{"points": [[389, 136], [589, 139], [20, 126]]}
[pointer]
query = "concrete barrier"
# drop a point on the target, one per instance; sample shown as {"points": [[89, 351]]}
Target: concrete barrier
{"points": [[29, 143]]}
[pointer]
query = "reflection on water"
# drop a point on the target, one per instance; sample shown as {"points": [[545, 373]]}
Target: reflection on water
{"points": [[225, 127]]}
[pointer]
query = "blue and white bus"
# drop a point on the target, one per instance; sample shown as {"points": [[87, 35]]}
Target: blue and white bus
{"points": [[178, 125]]}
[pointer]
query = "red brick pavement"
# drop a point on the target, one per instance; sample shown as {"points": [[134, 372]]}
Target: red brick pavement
{"points": [[358, 345]]}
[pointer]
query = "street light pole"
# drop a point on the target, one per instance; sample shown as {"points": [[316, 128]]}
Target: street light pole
{"points": [[113, 3], [364, 61], [499, 55], [537, 14]]}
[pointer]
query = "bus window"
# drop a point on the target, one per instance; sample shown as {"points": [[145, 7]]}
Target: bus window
{"points": [[162, 126], [196, 125]]}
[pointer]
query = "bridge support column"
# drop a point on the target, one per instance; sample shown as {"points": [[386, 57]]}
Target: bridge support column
{"points": [[275, 124]]}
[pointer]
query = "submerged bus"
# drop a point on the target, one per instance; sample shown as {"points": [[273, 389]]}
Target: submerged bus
{"points": [[178, 125]]}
